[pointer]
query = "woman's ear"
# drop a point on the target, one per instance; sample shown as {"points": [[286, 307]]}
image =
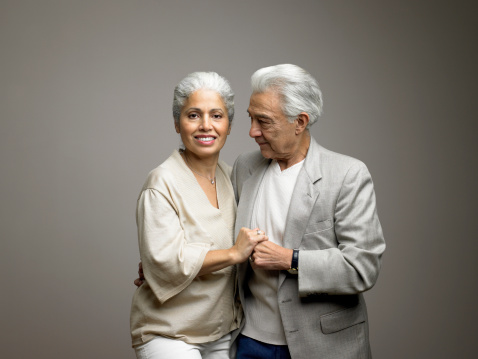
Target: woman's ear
{"points": [[176, 127]]}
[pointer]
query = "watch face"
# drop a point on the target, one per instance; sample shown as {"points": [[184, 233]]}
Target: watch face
{"points": [[293, 271]]}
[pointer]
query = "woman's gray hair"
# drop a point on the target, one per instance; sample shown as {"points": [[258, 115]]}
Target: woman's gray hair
{"points": [[203, 80], [300, 92]]}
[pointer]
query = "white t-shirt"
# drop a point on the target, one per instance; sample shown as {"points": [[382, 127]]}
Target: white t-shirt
{"points": [[263, 321]]}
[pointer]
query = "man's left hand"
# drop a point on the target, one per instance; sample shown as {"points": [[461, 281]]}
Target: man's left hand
{"points": [[139, 281], [270, 256]]}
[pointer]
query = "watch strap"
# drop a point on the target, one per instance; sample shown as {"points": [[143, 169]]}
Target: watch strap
{"points": [[294, 266]]}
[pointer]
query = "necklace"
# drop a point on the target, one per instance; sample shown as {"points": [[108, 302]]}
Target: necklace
{"points": [[213, 180]]}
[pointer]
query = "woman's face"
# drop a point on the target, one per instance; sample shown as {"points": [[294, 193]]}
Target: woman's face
{"points": [[203, 123]]}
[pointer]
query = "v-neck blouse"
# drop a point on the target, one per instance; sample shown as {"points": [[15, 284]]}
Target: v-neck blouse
{"points": [[177, 226]]}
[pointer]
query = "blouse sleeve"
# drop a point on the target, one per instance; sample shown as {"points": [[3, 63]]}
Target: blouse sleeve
{"points": [[170, 263]]}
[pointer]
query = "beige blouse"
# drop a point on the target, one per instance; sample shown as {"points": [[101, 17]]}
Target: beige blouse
{"points": [[177, 226]]}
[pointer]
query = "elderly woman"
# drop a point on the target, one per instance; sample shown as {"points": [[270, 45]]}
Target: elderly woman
{"points": [[187, 306]]}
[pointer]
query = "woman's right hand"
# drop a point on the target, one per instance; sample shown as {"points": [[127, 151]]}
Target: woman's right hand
{"points": [[246, 241]]}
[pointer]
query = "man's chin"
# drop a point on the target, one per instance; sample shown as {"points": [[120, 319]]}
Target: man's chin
{"points": [[265, 152]]}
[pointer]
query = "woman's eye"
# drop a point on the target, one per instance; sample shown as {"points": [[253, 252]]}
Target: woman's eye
{"points": [[217, 116], [193, 115]]}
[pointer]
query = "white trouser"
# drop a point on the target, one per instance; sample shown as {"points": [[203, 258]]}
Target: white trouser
{"points": [[165, 348]]}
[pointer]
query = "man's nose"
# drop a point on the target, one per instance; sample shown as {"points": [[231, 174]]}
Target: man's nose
{"points": [[255, 130]]}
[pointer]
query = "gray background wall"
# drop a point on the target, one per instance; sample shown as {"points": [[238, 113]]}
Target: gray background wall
{"points": [[86, 89]]}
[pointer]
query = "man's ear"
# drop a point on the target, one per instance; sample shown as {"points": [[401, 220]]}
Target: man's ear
{"points": [[301, 122]]}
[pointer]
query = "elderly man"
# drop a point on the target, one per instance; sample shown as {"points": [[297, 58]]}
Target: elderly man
{"points": [[301, 290]]}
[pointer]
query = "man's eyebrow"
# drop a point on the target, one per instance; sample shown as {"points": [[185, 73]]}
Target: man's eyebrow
{"points": [[260, 115]]}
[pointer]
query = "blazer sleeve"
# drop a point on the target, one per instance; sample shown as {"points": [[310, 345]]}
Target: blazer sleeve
{"points": [[170, 262], [353, 266]]}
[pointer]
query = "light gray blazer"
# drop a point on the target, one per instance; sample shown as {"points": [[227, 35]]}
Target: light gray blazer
{"points": [[333, 221]]}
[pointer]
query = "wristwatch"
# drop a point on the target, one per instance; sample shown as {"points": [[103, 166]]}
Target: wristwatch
{"points": [[294, 266]]}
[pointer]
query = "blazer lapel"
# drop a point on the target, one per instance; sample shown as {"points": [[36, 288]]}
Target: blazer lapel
{"points": [[245, 208], [248, 195], [304, 196]]}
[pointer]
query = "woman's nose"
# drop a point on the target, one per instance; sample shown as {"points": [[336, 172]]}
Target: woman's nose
{"points": [[206, 123]]}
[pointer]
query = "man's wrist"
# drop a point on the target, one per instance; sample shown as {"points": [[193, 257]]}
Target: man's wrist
{"points": [[294, 265]]}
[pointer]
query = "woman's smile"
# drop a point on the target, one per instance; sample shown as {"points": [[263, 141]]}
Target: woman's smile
{"points": [[205, 139]]}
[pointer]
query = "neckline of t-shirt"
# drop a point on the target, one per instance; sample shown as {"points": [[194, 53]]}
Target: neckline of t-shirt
{"points": [[292, 169]]}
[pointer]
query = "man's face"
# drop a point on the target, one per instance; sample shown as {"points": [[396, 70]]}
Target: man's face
{"points": [[271, 129]]}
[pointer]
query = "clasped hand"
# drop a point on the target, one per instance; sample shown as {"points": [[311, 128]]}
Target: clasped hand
{"points": [[270, 256], [246, 241]]}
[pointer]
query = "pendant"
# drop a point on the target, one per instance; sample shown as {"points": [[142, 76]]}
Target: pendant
{"points": [[212, 181]]}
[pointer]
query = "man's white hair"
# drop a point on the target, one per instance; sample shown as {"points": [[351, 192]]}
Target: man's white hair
{"points": [[300, 92]]}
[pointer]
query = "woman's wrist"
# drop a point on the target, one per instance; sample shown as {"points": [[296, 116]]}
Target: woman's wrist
{"points": [[234, 255]]}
